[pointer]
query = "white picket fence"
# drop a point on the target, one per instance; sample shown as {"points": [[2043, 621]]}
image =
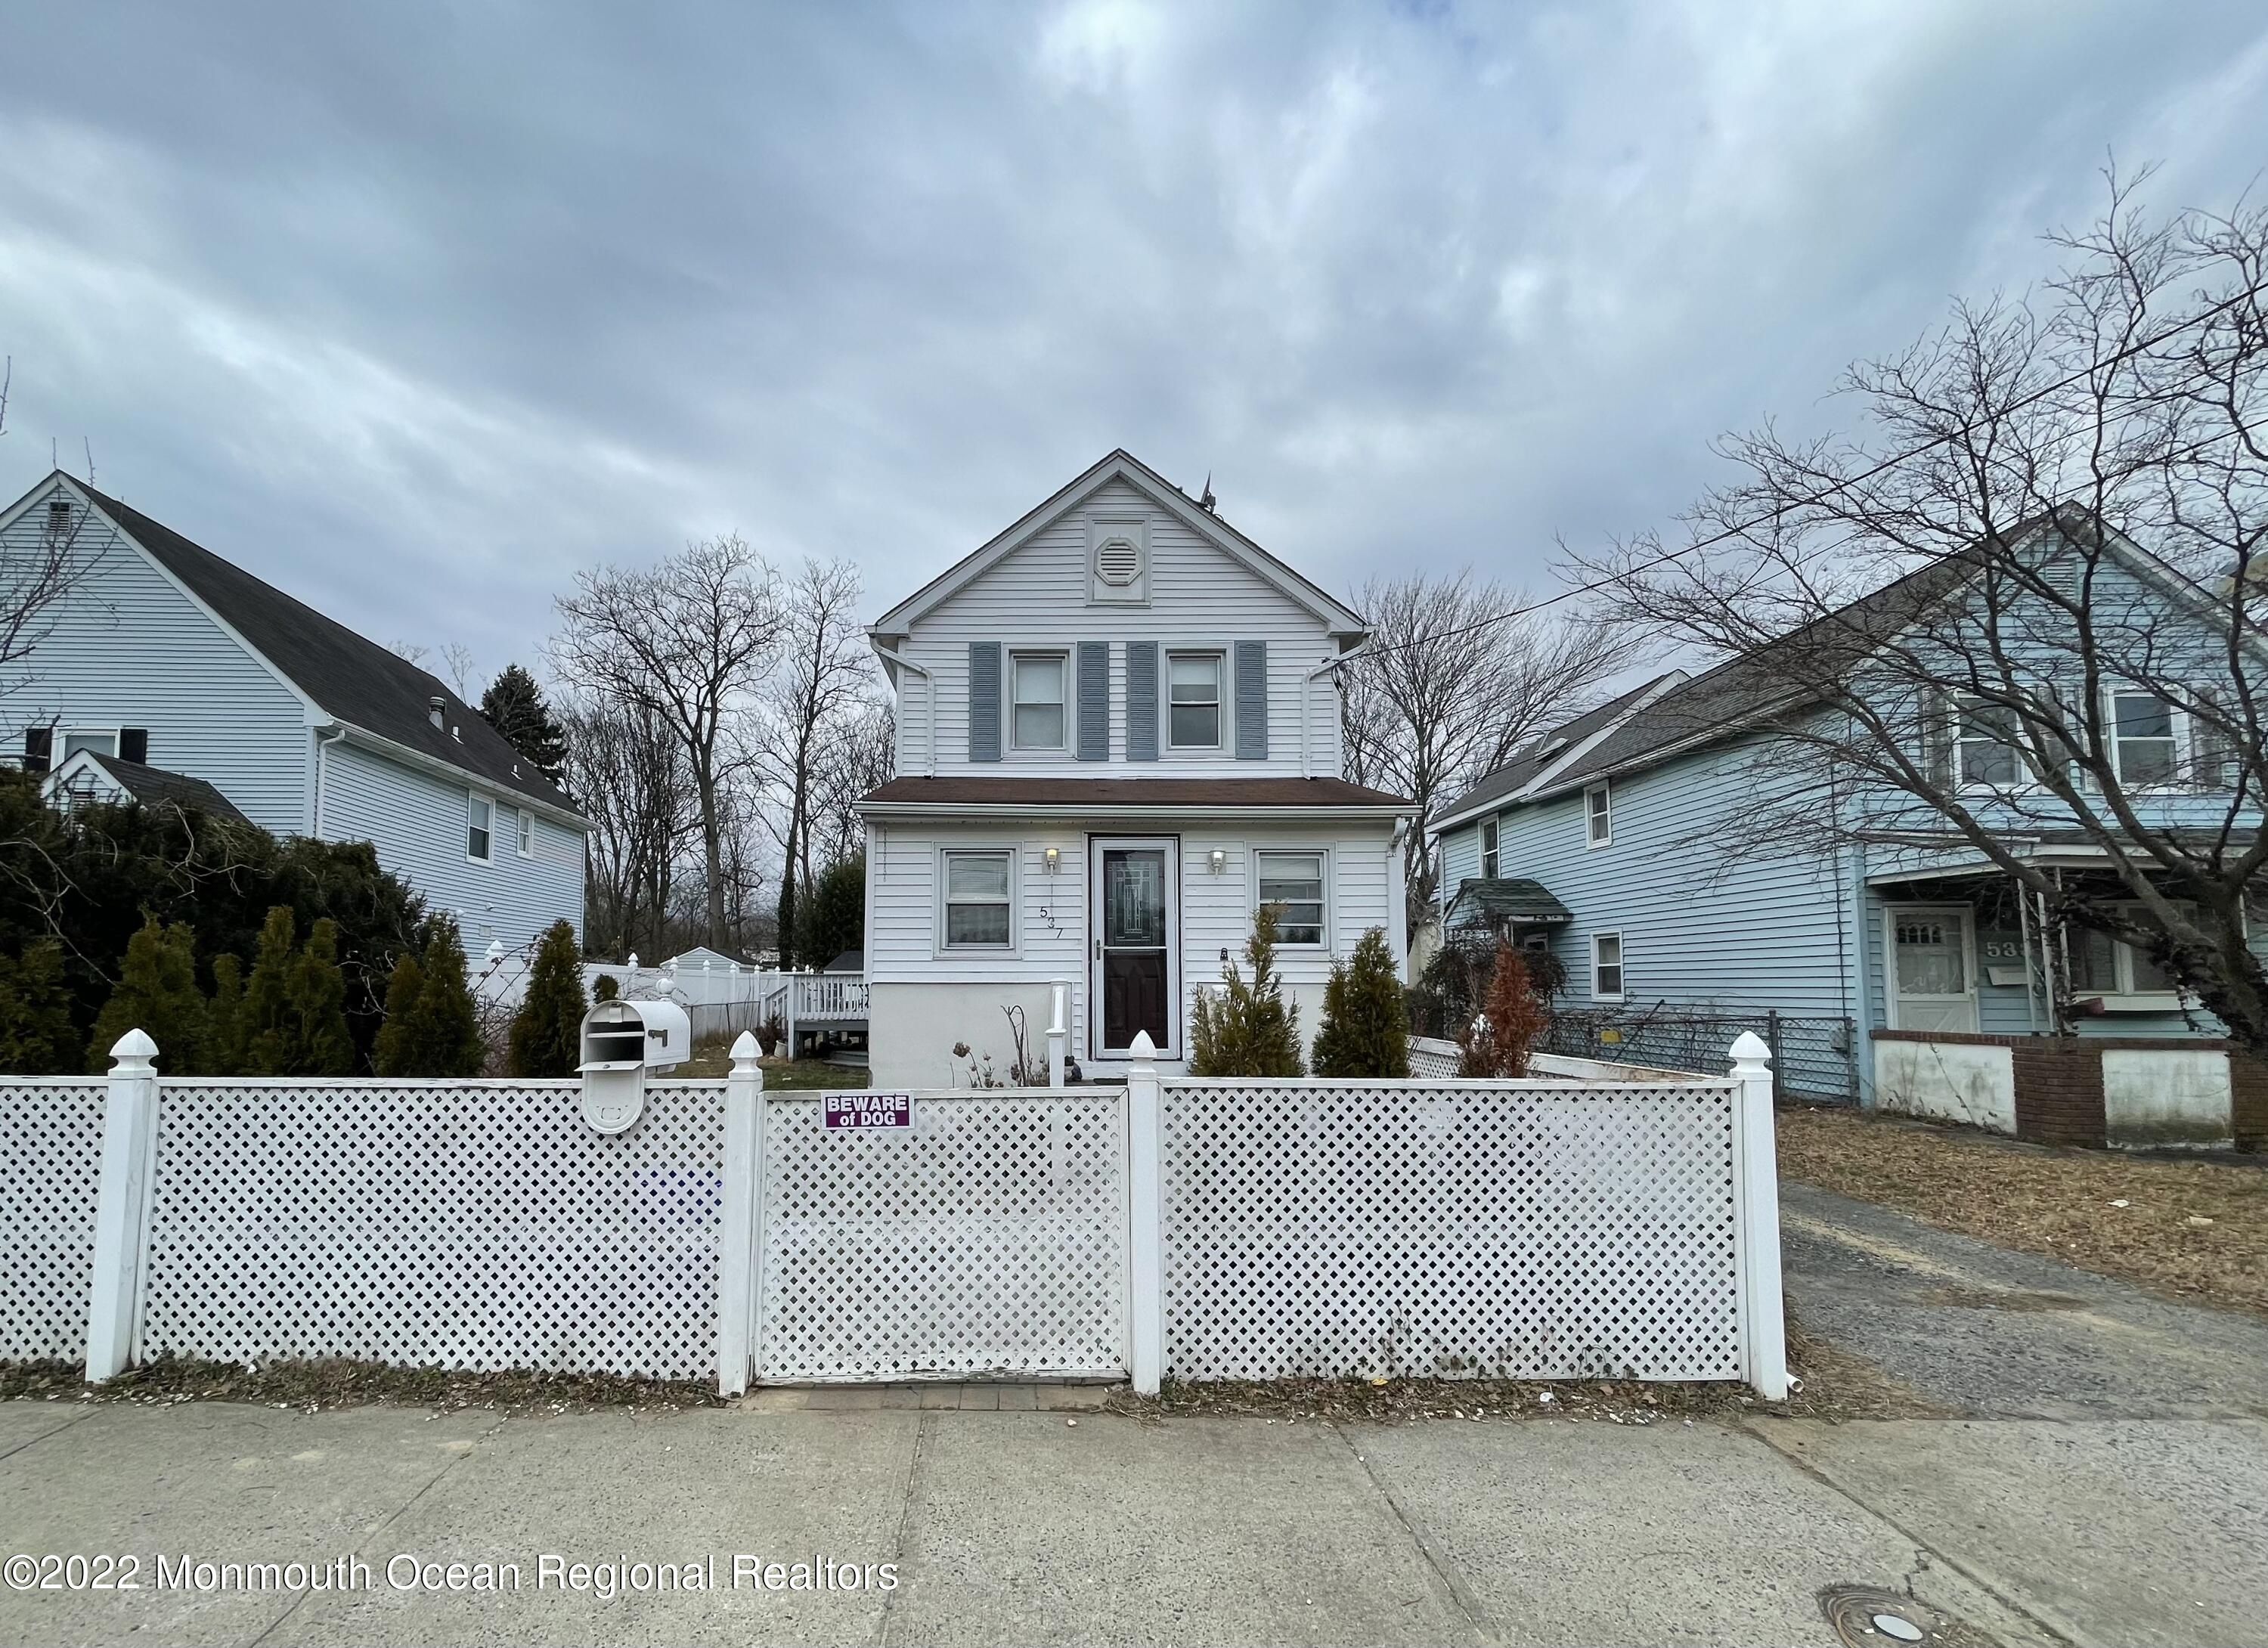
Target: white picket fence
{"points": [[1545, 1228]]}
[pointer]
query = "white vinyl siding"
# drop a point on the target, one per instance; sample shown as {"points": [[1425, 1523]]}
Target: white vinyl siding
{"points": [[1200, 600]]}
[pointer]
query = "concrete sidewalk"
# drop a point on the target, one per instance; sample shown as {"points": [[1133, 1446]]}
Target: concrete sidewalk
{"points": [[1046, 1526]]}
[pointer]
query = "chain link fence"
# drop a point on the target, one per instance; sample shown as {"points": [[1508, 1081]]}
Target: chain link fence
{"points": [[1815, 1059]]}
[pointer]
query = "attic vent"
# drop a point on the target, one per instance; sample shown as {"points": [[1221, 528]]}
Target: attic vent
{"points": [[59, 514], [2062, 575], [1118, 562], [433, 708]]}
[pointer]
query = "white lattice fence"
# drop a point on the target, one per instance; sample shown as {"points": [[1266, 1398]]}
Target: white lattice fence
{"points": [[1434, 1229], [463, 1224], [50, 1163], [990, 1237]]}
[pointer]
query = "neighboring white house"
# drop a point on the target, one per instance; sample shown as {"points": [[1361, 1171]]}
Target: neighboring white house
{"points": [[186, 675], [1118, 734]]}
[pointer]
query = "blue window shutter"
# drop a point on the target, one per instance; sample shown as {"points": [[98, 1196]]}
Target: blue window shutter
{"points": [[1141, 700], [1094, 700], [984, 701], [1252, 701]]}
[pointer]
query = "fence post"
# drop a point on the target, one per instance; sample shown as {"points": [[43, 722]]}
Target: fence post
{"points": [[789, 978], [1058, 1035], [1146, 1185], [121, 1208], [739, 1253], [1755, 1202]]}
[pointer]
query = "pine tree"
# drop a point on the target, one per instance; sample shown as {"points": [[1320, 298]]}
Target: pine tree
{"points": [[431, 1029], [394, 1053], [224, 1021], [1249, 1031], [1366, 1027], [1512, 1014], [547, 1036], [261, 1020], [832, 916], [157, 993], [37, 1037], [513, 705], [318, 1005]]}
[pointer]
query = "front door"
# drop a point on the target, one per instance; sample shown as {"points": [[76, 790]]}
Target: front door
{"points": [[1933, 970], [1133, 929]]}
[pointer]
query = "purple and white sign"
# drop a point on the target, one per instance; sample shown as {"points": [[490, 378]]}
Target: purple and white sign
{"points": [[870, 1109]]}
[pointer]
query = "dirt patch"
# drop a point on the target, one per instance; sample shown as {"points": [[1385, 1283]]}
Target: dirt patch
{"points": [[2197, 1230], [1835, 1385], [314, 1386]]}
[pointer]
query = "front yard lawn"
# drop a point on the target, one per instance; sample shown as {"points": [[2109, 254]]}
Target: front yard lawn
{"points": [[2196, 1229], [713, 1060]]}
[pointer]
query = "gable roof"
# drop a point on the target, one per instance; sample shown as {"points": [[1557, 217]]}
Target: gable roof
{"points": [[346, 675], [154, 786], [1537, 757], [1121, 464]]}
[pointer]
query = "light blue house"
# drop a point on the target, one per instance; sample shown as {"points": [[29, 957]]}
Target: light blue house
{"points": [[164, 660], [1684, 853]]}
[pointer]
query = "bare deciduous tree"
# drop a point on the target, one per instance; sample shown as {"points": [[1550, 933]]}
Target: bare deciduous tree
{"points": [[44, 562], [860, 753], [2056, 527], [824, 673], [690, 640], [1442, 695], [628, 773]]}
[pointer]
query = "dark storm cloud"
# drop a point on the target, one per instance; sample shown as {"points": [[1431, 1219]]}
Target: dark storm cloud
{"points": [[416, 311]]}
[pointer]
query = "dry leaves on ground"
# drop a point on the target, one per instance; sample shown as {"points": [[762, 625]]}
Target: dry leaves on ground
{"points": [[336, 1382], [2196, 1229]]}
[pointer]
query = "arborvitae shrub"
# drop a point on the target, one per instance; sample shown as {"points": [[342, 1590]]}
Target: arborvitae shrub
{"points": [[1366, 1025]]}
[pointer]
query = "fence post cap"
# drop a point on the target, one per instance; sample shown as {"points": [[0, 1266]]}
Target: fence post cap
{"points": [[133, 1052], [1144, 1050], [745, 1053], [1749, 1048]]}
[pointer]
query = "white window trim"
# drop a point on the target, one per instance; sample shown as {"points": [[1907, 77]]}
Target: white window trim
{"points": [[2122, 967], [523, 833], [1492, 853], [472, 797], [1014, 853], [1224, 705], [59, 741], [1253, 855], [1622, 966], [1064, 656], [2178, 729], [1604, 787]]}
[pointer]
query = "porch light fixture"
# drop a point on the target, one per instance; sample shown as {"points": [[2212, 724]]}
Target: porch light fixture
{"points": [[1217, 860], [1053, 859]]}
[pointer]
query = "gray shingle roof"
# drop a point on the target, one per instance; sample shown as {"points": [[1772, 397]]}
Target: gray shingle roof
{"points": [[1532, 758], [351, 677], [1481, 903], [154, 786]]}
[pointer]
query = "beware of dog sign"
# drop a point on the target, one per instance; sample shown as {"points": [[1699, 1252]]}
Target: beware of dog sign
{"points": [[870, 1110]]}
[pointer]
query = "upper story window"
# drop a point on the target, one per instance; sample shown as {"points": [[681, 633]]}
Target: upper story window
{"points": [[1293, 882], [1598, 816], [479, 823], [1194, 700], [977, 913], [2142, 739], [1491, 860], [526, 833], [1984, 749], [1037, 719]]}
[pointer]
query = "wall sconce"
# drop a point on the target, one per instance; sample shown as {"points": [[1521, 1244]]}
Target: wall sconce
{"points": [[1217, 860], [1052, 859]]}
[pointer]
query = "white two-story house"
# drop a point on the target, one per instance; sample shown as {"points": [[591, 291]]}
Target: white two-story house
{"points": [[1118, 736], [161, 671]]}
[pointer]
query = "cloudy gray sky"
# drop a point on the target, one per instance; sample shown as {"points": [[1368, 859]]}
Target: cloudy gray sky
{"points": [[417, 310]]}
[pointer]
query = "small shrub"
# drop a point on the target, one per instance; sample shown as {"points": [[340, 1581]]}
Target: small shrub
{"points": [[431, 1027], [157, 993], [547, 1036], [225, 1020], [605, 987], [1249, 1029], [1513, 1015], [1365, 1029], [37, 1037]]}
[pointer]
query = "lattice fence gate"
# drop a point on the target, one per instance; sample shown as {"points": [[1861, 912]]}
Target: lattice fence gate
{"points": [[988, 1238]]}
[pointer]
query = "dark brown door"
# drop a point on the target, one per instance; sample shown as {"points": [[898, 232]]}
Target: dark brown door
{"points": [[1133, 947]]}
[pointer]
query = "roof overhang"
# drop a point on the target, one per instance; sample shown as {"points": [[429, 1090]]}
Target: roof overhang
{"points": [[1101, 810], [1336, 617]]}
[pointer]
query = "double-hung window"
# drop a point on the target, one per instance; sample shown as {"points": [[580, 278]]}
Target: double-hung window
{"points": [[1984, 747], [526, 833], [2142, 739], [1607, 966], [1037, 720], [1491, 860], [977, 909], [1598, 816], [1193, 699], [1293, 883], [480, 825], [2104, 965]]}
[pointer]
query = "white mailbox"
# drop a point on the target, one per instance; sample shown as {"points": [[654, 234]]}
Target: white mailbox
{"points": [[621, 1042]]}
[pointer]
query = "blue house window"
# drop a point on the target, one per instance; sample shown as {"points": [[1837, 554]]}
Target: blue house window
{"points": [[1489, 860]]}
